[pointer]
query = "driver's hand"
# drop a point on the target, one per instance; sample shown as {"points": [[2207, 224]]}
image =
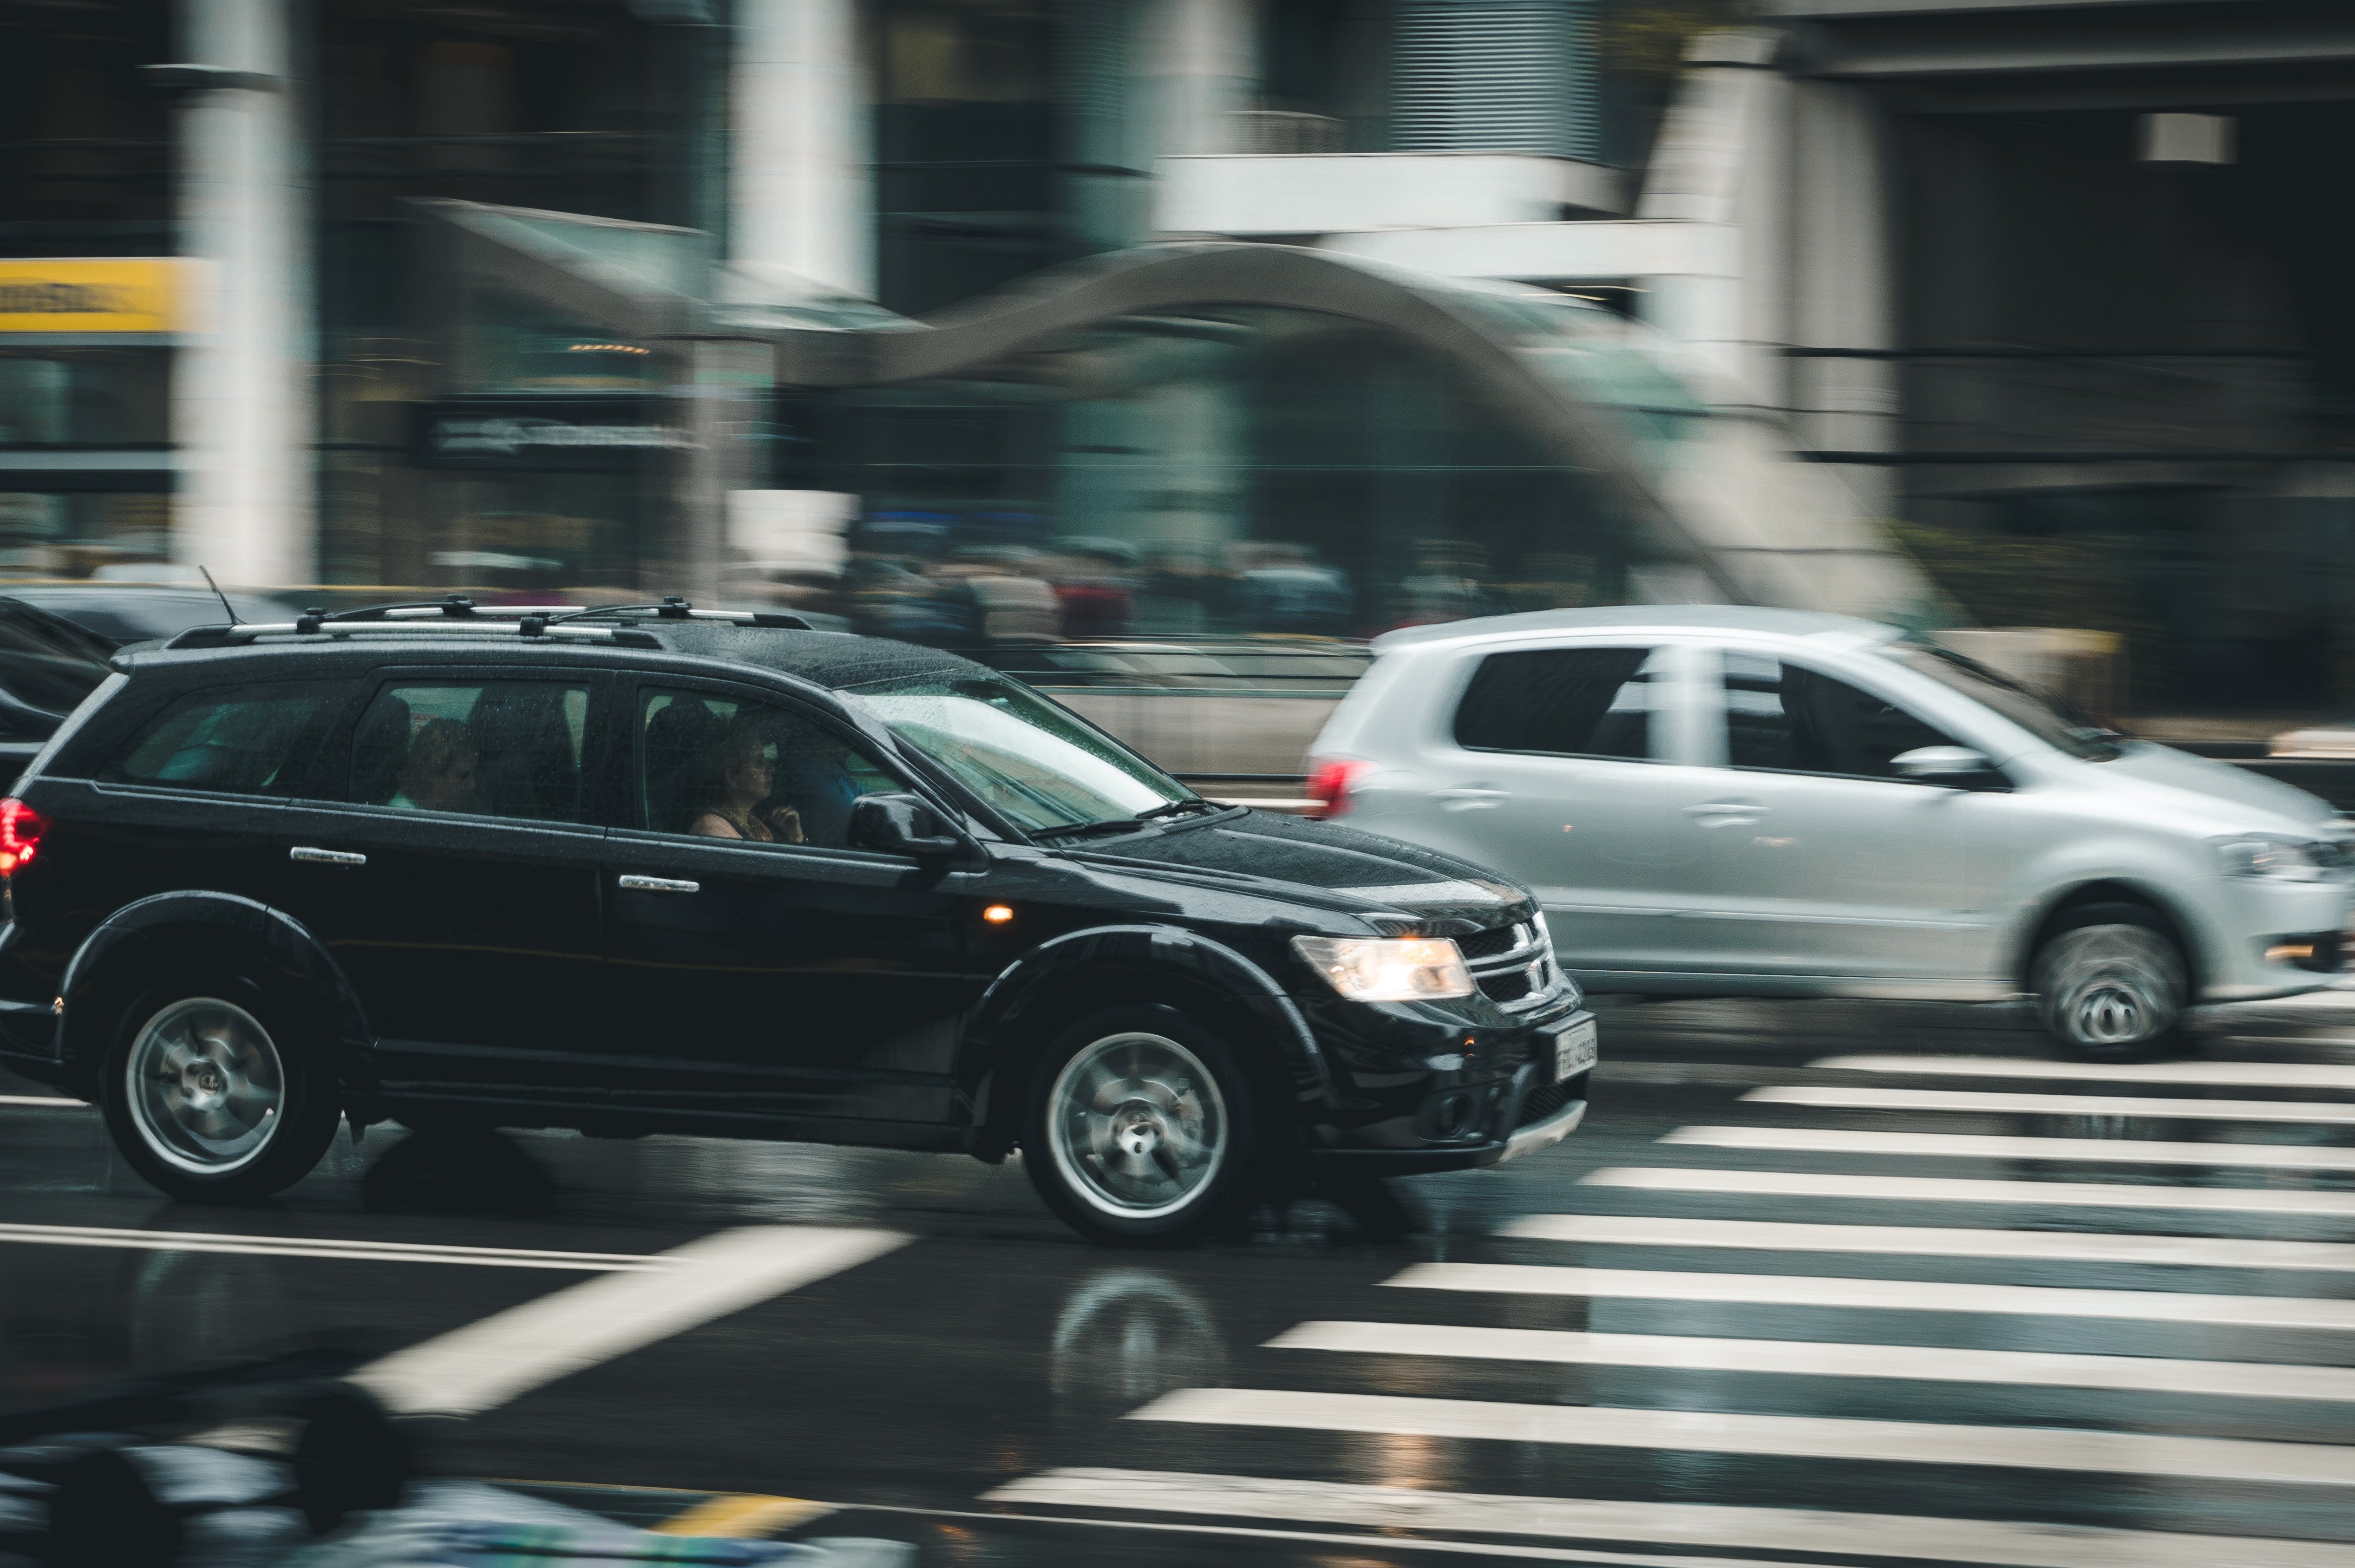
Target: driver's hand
{"points": [[786, 824]]}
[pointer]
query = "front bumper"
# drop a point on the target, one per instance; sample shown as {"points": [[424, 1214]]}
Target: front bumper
{"points": [[2248, 919], [1523, 1112]]}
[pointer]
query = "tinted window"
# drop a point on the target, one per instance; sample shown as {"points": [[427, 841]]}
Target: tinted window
{"points": [[46, 662], [251, 740], [492, 748], [1790, 718], [1577, 702], [716, 768]]}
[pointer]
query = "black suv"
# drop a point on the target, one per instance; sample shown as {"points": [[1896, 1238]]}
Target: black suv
{"points": [[671, 870]]}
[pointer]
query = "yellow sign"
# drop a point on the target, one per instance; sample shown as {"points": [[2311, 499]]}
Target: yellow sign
{"points": [[138, 295]]}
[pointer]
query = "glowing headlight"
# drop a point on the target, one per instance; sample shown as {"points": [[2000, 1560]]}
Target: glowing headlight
{"points": [[2283, 860], [1400, 969]]}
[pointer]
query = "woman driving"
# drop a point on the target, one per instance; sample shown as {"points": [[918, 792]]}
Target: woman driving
{"points": [[742, 772]]}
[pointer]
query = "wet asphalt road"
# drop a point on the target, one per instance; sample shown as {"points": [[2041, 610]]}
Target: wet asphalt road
{"points": [[1655, 1369]]}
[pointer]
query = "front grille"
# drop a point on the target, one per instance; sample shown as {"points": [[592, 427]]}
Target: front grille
{"points": [[1489, 944], [1543, 1101], [1507, 985]]}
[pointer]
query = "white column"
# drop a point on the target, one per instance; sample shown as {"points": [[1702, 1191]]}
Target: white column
{"points": [[241, 385], [1197, 65], [800, 188]]}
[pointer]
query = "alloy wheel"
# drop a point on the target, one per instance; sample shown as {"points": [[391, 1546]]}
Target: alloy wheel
{"points": [[206, 1088], [2110, 988], [1136, 1126]]}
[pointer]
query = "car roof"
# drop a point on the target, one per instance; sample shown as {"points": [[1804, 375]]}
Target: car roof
{"points": [[1755, 618], [836, 660]]}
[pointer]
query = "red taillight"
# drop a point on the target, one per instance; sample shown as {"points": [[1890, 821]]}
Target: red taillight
{"points": [[1329, 786], [20, 834]]}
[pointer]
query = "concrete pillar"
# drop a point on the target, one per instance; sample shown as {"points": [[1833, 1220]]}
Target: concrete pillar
{"points": [[719, 388], [800, 183], [1197, 66], [1843, 292], [241, 387]]}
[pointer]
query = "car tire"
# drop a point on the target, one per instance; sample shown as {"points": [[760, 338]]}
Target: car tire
{"points": [[1141, 1128], [2112, 983], [210, 1094]]}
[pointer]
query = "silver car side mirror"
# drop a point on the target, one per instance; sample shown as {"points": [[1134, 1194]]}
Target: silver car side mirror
{"points": [[1958, 767]]}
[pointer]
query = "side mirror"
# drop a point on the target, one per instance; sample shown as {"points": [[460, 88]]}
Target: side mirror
{"points": [[901, 825], [1957, 767]]}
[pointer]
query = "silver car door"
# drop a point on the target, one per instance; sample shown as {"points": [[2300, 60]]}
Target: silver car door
{"points": [[1565, 767], [1822, 862]]}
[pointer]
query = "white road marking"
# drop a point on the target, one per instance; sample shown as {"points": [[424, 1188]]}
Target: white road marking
{"points": [[1998, 1543], [1887, 1294], [50, 1099], [1961, 1145], [2224, 1074], [487, 1363], [2200, 1252], [1863, 1097], [1822, 1359], [1957, 1190], [324, 1247], [1780, 1437]]}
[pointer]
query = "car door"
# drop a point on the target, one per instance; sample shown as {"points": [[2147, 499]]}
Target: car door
{"points": [[1822, 862], [454, 878], [1567, 767], [759, 964]]}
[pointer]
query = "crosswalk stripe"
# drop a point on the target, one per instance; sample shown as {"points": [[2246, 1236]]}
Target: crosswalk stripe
{"points": [[2203, 1252], [1997, 1544], [1965, 1146], [1844, 1292], [1779, 1436], [1826, 1359], [1960, 1190], [1861, 1097], [2223, 1074]]}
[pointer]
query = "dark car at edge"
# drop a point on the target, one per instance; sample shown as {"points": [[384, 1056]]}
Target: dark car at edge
{"points": [[667, 870]]}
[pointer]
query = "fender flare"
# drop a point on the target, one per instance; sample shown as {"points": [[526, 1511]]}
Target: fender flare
{"points": [[1171, 950], [136, 931]]}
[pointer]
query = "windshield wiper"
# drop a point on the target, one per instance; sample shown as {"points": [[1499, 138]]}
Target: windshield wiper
{"points": [[1191, 803], [1069, 830]]}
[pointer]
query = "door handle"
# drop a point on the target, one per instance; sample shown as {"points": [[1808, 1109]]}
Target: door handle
{"points": [[311, 856], [659, 885], [1470, 799], [1726, 813]]}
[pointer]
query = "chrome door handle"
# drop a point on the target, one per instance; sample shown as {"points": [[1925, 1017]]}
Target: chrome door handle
{"points": [[311, 856], [1726, 813], [659, 885], [1470, 799]]}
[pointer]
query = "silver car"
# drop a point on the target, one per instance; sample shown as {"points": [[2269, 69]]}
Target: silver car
{"points": [[1742, 802]]}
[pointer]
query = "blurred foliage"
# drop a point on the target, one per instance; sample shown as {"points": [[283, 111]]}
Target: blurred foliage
{"points": [[1646, 39], [2009, 579]]}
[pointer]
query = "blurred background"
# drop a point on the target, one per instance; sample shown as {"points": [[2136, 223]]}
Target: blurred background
{"points": [[1180, 344]]}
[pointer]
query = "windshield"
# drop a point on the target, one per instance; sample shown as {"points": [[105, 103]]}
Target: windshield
{"points": [[1034, 762], [2050, 717]]}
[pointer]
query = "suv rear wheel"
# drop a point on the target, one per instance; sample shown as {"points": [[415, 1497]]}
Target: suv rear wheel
{"points": [[1141, 1128], [208, 1096], [2110, 982]]}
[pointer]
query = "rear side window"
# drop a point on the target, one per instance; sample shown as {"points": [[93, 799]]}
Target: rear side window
{"points": [[248, 739], [1570, 703], [481, 748]]}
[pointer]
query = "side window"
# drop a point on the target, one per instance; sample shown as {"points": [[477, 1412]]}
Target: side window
{"points": [[1576, 702], [247, 739], [486, 748], [716, 768], [1791, 719]]}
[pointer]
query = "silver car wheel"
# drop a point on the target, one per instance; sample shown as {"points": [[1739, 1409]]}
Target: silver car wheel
{"points": [[205, 1086], [1136, 1126], [2106, 987]]}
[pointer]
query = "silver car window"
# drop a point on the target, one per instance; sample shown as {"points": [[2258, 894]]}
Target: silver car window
{"points": [[1565, 702], [1787, 718]]}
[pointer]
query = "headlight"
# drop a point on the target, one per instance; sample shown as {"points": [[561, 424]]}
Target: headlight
{"points": [[1388, 969], [2283, 860]]}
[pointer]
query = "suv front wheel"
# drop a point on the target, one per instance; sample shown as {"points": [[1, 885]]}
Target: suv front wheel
{"points": [[1141, 1128], [2111, 983], [208, 1096]]}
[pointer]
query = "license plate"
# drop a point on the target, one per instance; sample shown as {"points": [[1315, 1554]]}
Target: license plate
{"points": [[1574, 1050]]}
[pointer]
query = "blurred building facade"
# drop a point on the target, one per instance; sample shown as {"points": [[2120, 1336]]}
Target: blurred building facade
{"points": [[1022, 320]]}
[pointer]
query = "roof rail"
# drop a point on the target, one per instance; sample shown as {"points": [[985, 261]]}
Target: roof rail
{"points": [[457, 615]]}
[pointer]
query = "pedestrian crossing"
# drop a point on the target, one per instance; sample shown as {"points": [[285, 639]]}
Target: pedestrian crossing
{"points": [[1871, 1330]]}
